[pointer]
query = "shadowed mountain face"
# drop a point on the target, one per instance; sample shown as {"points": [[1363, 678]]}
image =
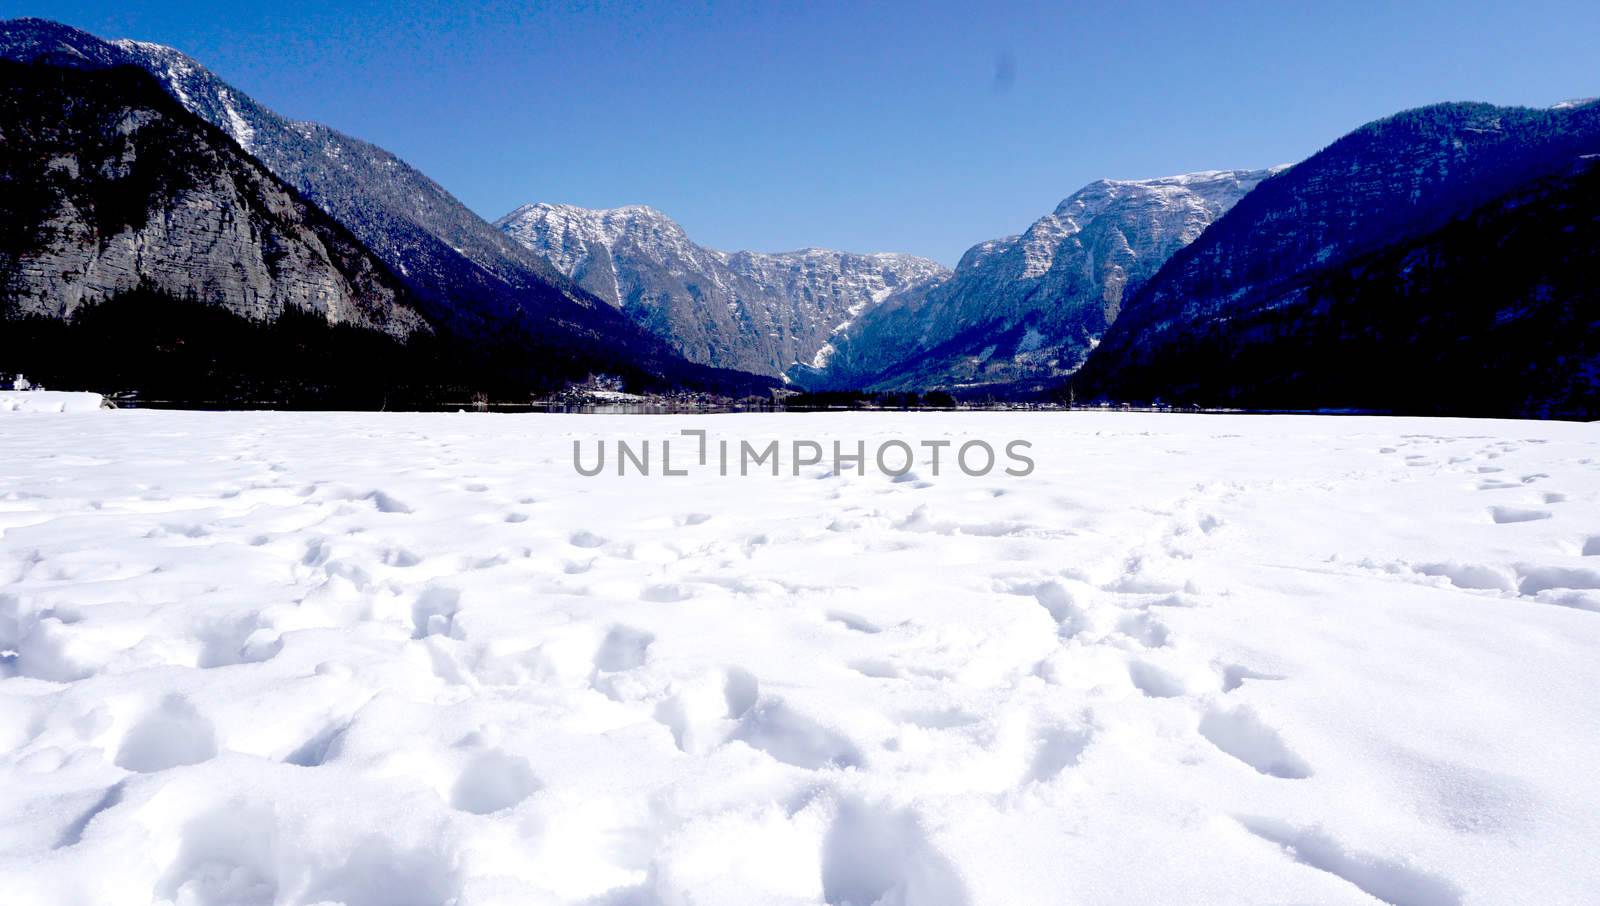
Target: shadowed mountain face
{"points": [[1495, 313], [1430, 262], [753, 311], [1029, 307], [142, 251], [110, 187], [469, 278]]}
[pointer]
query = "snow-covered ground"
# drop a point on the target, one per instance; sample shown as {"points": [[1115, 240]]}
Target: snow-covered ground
{"points": [[388, 659], [49, 401]]}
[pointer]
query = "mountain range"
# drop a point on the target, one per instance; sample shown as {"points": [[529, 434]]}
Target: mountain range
{"points": [[468, 277], [156, 219], [753, 311], [1029, 307]]}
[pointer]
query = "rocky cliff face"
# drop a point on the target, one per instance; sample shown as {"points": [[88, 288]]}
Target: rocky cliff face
{"points": [[1279, 266], [111, 186], [1030, 307], [753, 311]]}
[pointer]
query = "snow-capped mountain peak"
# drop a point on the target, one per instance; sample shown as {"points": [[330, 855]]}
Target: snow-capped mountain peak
{"points": [[755, 311], [1034, 304]]}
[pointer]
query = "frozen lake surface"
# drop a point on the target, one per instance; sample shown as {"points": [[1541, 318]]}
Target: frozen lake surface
{"points": [[388, 659]]}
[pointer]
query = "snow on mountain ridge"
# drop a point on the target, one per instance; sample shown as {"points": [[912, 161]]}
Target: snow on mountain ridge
{"points": [[1031, 305], [756, 311]]}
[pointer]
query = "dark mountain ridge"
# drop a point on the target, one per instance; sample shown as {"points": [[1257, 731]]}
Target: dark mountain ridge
{"points": [[1495, 313], [1275, 264]]}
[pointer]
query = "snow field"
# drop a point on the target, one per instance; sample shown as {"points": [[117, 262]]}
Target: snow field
{"points": [[48, 401], [253, 658]]}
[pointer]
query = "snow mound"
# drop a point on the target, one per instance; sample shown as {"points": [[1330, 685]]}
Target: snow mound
{"points": [[49, 401]]}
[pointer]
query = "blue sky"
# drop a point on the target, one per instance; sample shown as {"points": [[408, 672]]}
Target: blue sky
{"points": [[865, 126]]}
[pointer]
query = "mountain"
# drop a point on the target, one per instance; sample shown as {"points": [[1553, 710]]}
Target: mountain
{"points": [[142, 250], [752, 311], [1029, 307], [1405, 267], [111, 187], [469, 278]]}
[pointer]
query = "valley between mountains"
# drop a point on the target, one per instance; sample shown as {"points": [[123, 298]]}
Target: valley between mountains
{"points": [[1437, 261], [318, 588]]}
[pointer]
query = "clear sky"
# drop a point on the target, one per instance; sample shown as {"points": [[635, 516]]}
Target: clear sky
{"points": [[865, 126]]}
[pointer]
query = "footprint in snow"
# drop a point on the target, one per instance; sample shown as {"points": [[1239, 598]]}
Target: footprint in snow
{"points": [[1480, 577], [400, 557], [1533, 579], [1154, 681], [876, 669], [853, 622], [220, 858], [772, 726], [243, 640], [108, 800], [386, 503], [320, 746], [1242, 735], [940, 718], [492, 782], [1060, 603], [586, 538], [875, 854], [1388, 881], [1057, 749], [1234, 676], [1145, 629], [171, 735], [1504, 515], [623, 648], [667, 593], [434, 611]]}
